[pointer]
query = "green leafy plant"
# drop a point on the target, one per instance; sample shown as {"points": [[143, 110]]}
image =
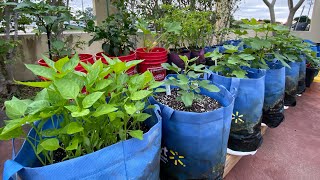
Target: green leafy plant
{"points": [[50, 19], [188, 82], [230, 63], [168, 28], [116, 32], [110, 110]]}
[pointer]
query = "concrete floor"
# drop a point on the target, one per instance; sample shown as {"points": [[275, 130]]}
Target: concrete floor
{"points": [[291, 151]]}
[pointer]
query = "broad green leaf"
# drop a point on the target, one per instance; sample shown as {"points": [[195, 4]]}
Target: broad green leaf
{"points": [[60, 63], [207, 85], [82, 113], [137, 134], [141, 116], [73, 128], [119, 67], [174, 27], [41, 71], [37, 106], [130, 108], [133, 63], [67, 88], [239, 73], [49, 62], [156, 84], [231, 48], [51, 132], [183, 79], [42, 95], [140, 95], [16, 108], [39, 149], [72, 108], [73, 144], [104, 109], [102, 84], [72, 63], [51, 144], [233, 60], [13, 134], [90, 99], [58, 45], [247, 57], [187, 99], [43, 84]]}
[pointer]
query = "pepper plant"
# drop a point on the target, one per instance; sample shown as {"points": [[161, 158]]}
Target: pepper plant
{"points": [[187, 80], [230, 63], [73, 123]]}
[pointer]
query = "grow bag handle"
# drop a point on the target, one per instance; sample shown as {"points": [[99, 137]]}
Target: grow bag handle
{"points": [[234, 87]]}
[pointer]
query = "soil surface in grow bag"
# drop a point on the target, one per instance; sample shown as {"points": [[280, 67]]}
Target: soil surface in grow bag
{"points": [[206, 104], [290, 152]]}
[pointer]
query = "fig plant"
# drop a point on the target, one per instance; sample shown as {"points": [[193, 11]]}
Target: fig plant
{"points": [[111, 109], [188, 80]]}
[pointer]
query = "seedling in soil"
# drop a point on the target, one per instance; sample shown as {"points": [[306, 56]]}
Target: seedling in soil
{"points": [[188, 81]]}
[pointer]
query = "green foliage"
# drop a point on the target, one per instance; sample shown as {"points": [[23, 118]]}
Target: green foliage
{"points": [[50, 19], [111, 109], [188, 82], [116, 32], [169, 28], [229, 63], [196, 27]]}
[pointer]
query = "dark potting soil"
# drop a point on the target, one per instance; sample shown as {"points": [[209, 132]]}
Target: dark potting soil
{"points": [[205, 104], [58, 155]]}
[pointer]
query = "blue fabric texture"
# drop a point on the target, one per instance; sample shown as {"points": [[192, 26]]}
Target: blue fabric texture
{"points": [[302, 76], [245, 133], [130, 159], [194, 145], [292, 79], [273, 108]]}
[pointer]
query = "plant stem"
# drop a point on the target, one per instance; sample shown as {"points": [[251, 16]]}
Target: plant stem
{"points": [[35, 151]]}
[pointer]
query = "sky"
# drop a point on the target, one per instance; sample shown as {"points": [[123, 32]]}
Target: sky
{"points": [[247, 9], [258, 10]]}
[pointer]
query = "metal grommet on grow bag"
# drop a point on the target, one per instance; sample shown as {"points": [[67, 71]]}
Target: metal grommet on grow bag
{"points": [[194, 145], [245, 134], [130, 159], [273, 108], [292, 79]]}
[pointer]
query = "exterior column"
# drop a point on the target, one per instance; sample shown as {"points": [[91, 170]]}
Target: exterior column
{"points": [[101, 9]]}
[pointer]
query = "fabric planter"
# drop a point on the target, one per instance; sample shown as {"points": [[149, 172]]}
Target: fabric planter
{"points": [[292, 79], [273, 107], [194, 145], [310, 74], [302, 76], [130, 159], [245, 134]]}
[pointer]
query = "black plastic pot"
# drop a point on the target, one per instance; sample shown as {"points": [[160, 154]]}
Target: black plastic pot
{"points": [[174, 56], [310, 74], [198, 53]]}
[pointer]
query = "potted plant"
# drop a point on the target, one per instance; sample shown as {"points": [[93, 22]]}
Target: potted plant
{"points": [[71, 129], [189, 106], [53, 20], [154, 56], [312, 68], [116, 33], [263, 46], [247, 85]]}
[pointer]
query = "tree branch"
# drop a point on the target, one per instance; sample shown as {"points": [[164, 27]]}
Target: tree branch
{"points": [[290, 4], [267, 3], [298, 5]]}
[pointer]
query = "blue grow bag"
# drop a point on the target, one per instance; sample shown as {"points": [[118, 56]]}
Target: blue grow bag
{"points": [[245, 133], [292, 79], [194, 145], [302, 76], [273, 107], [130, 159]]}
